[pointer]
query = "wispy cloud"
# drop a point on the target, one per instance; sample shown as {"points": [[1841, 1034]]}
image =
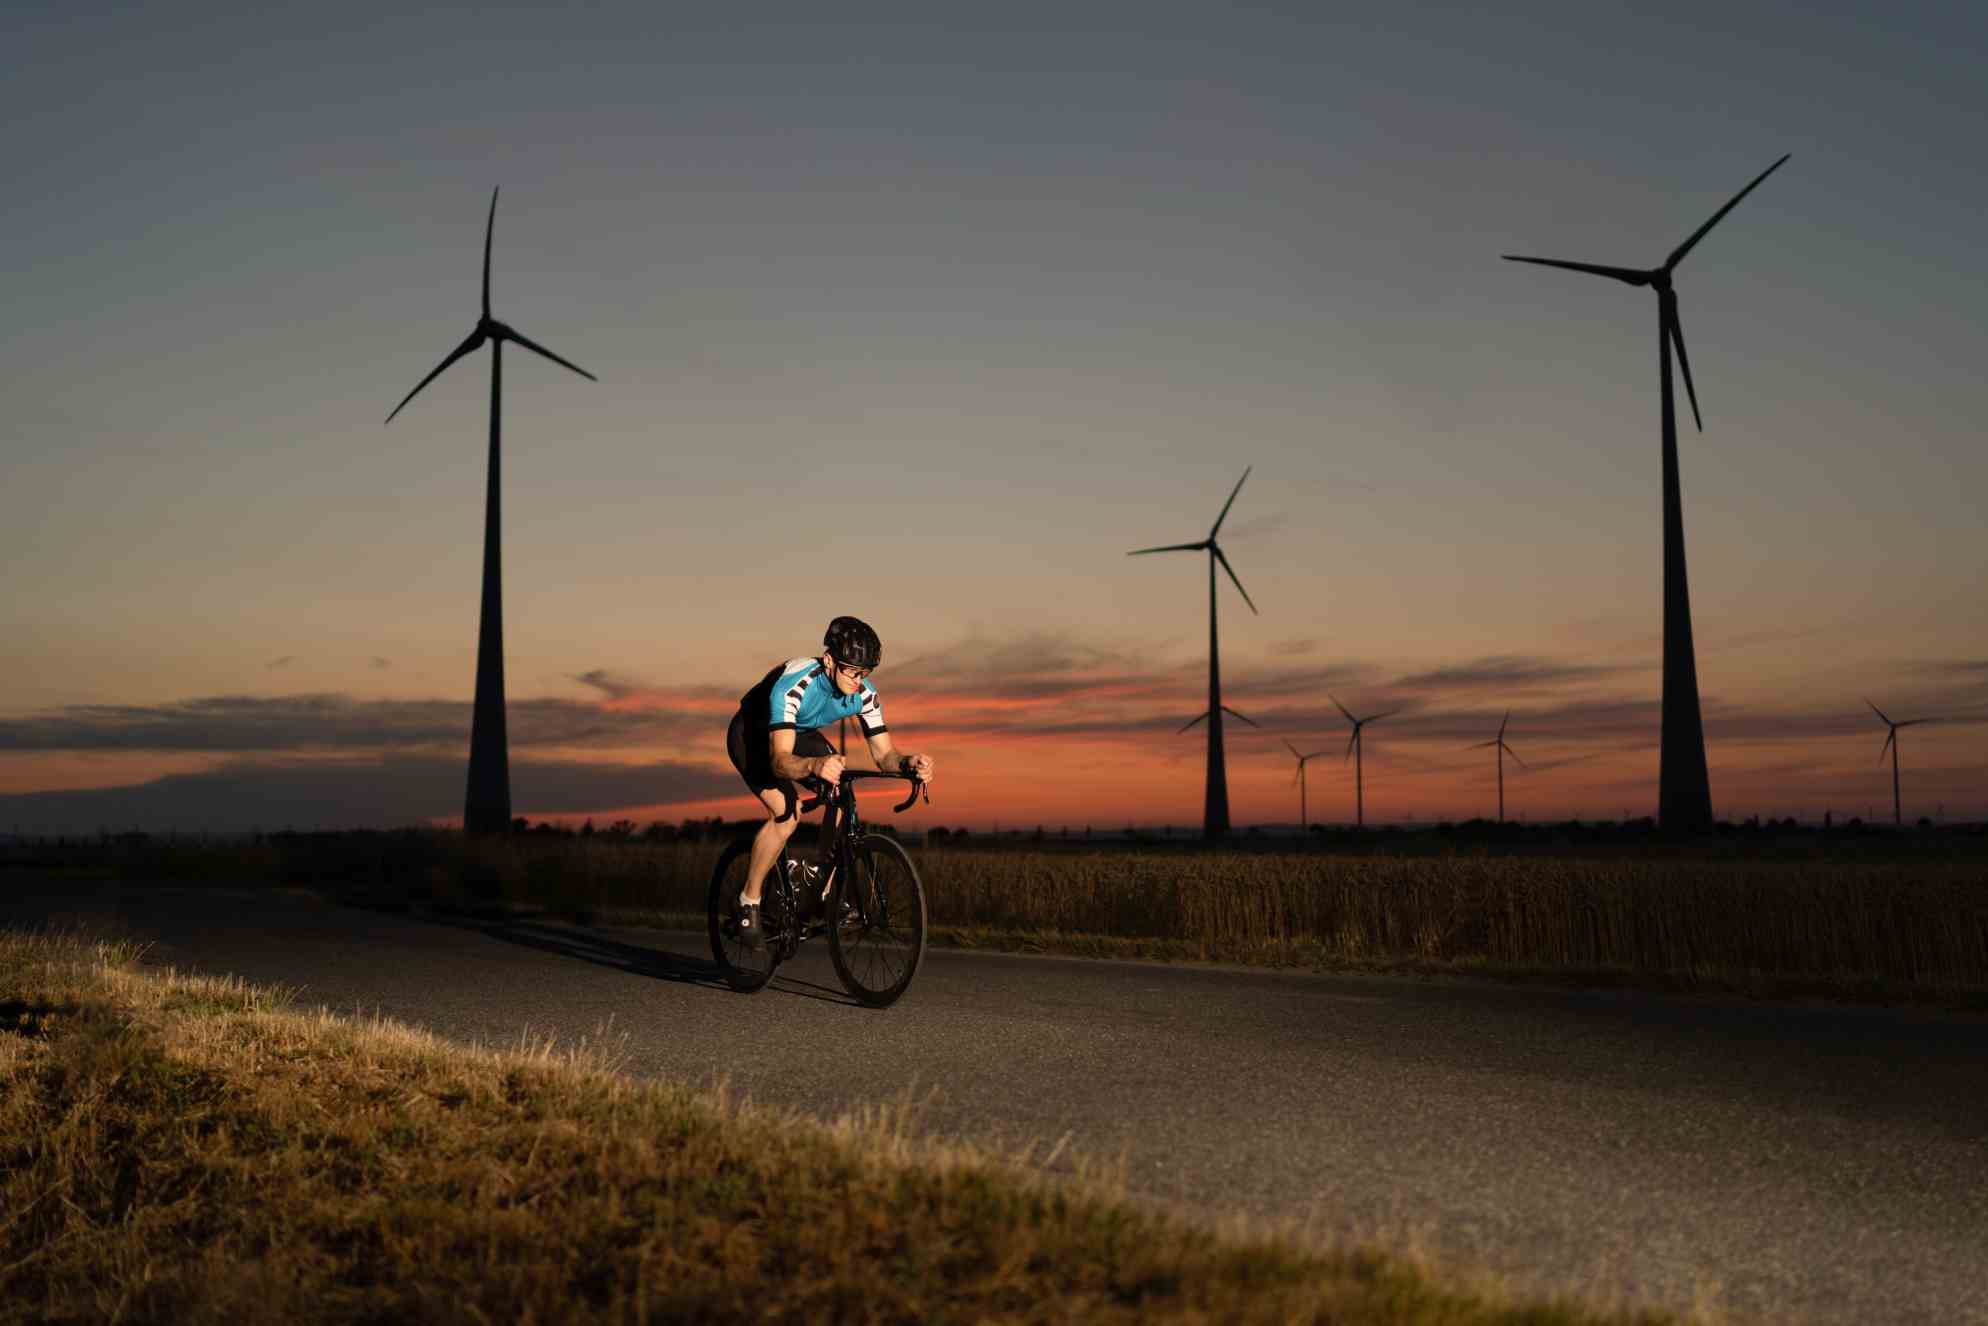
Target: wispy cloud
{"points": [[1507, 673], [1962, 669], [341, 793], [332, 722]]}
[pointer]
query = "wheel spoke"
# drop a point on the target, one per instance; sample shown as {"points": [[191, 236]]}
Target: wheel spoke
{"points": [[878, 952]]}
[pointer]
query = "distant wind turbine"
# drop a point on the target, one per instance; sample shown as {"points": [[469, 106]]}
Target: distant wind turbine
{"points": [[1684, 792], [1356, 747], [1503, 750], [1891, 744], [487, 804], [1215, 806], [1304, 813]]}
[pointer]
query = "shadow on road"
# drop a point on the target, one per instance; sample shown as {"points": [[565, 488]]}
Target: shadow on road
{"points": [[583, 945]]}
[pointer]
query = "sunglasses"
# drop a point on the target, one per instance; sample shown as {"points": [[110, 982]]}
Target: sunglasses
{"points": [[854, 674]]}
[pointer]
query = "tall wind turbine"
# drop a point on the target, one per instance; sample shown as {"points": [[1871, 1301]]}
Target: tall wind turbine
{"points": [[1304, 813], [1503, 750], [1891, 744], [1356, 747], [487, 804], [1215, 807], [1684, 792]]}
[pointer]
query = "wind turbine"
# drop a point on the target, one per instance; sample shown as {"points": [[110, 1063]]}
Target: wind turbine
{"points": [[1684, 792], [1891, 744], [1304, 813], [1215, 807], [487, 804], [1503, 751], [1356, 747]]}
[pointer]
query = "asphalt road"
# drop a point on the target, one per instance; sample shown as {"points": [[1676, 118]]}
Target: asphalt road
{"points": [[1789, 1162]]}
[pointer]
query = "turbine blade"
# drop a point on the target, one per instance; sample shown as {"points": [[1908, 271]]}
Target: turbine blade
{"points": [[1192, 721], [1683, 359], [1315, 754], [1289, 747], [512, 334], [1375, 718], [1482, 744], [1244, 717], [1342, 709], [1628, 275], [1677, 254], [1226, 505], [1885, 749], [1501, 724], [1232, 575], [1171, 547], [1351, 742], [1515, 755], [475, 340], [1879, 712], [1915, 722], [489, 229]]}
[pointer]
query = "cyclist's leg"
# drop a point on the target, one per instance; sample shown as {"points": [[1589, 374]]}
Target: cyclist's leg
{"points": [[781, 799], [772, 836], [745, 742]]}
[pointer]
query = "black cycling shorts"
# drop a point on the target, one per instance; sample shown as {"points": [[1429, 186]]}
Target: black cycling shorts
{"points": [[746, 742]]}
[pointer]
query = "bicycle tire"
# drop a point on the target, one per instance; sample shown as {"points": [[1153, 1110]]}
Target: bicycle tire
{"points": [[878, 951], [744, 969]]}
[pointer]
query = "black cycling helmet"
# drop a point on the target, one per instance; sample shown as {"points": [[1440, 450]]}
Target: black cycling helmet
{"points": [[851, 641]]}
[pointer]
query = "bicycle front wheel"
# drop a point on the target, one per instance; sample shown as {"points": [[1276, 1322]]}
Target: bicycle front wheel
{"points": [[744, 967], [877, 936]]}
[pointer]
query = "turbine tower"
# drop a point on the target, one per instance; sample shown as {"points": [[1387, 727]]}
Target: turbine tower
{"points": [[1503, 750], [1356, 747], [1684, 792], [487, 803], [1215, 807], [1891, 744], [1304, 820]]}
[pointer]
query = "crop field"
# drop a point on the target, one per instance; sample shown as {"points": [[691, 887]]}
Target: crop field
{"points": [[1897, 917]]}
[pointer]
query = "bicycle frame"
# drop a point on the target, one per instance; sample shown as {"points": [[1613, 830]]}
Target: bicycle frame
{"points": [[837, 856], [874, 914]]}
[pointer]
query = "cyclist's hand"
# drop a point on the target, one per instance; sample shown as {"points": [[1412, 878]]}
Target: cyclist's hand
{"points": [[831, 769], [919, 767]]}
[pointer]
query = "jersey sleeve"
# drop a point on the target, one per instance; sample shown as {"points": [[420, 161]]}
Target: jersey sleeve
{"points": [[872, 713], [785, 700]]}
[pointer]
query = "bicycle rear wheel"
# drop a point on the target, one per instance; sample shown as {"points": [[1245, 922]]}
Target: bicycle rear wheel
{"points": [[878, 940], [746, 968]]}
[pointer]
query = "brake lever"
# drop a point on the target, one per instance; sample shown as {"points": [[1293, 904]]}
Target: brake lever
{"points": [[917, 787]]}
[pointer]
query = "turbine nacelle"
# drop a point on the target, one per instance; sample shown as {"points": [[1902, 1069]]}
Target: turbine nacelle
{"points": [[1499, 742], [1208, 545], [1225, 709], [1671, 331], [488, 329], [1302, 759], [1891, 736]]}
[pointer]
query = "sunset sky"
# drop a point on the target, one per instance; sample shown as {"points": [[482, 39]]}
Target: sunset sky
{"points": [[930, 315]]}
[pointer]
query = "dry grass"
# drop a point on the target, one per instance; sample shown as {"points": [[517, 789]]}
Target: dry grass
{"points": [[178, 1149], [1913, 927], [1870, 928]]}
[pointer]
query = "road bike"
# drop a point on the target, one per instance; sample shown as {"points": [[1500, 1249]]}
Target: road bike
{"points": [[864, 880]]}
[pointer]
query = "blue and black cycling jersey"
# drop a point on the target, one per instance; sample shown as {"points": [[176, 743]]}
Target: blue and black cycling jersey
{"points": [[800, 694]]}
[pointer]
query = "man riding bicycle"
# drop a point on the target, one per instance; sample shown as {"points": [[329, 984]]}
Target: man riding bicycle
{"points": [[775, 742]]}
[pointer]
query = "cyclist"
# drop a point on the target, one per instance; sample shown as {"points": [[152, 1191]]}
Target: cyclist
{"points": [[775, 741]]}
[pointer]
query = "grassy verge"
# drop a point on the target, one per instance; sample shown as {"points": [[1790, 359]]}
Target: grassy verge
{"points": [[177, 1149]]}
